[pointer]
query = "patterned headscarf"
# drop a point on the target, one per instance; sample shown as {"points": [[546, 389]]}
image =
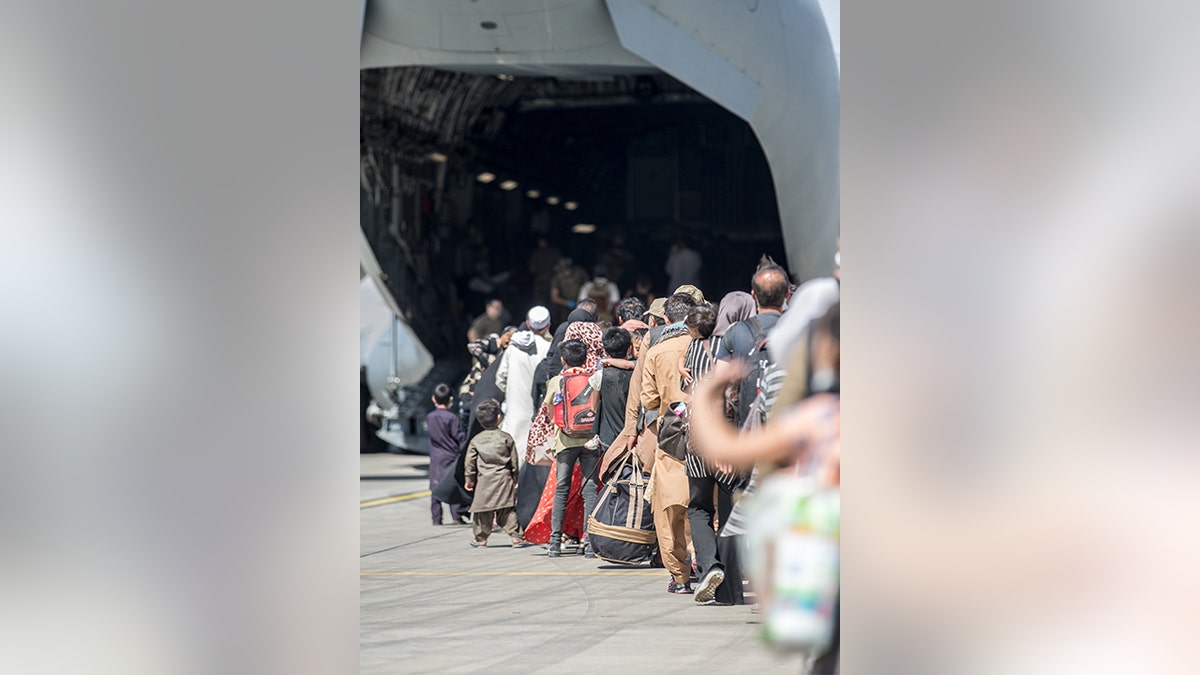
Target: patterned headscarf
{"points": [[541, 432], [591, 336]]}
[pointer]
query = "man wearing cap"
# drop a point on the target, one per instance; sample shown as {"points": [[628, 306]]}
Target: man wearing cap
{"points": [[656, 315], [691, 290], [525, 351], [658, 310]]}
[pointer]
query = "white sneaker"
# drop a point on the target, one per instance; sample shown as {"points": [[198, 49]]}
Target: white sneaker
{"points": [[707, 590]]}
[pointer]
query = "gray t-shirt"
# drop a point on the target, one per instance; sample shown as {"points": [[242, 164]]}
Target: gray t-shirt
{"points": [[739, 339]]}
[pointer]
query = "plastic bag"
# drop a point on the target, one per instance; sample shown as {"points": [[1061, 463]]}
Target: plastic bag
{"points": [[793, 555]]}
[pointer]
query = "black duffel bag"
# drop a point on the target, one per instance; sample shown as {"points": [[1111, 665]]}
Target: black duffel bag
{"points": [[621, 527]]}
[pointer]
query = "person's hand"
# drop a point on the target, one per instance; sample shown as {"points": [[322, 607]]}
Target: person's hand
{"points": [[687, 376], [723, 373], [469, 487]]}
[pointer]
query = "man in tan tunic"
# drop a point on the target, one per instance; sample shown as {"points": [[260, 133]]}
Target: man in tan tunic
{"points": [[491, 472], [660, 388]]}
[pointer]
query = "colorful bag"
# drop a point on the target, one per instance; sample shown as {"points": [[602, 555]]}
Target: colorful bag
{"points": [[573, 411], [793, 541]]}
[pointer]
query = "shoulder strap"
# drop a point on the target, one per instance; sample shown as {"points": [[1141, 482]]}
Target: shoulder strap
{"points": [[756, 332]]}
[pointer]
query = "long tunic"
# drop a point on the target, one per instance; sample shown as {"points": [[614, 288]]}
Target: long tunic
{"points": [[445, 440], [516, 374], [660, 389], [492, 466]]}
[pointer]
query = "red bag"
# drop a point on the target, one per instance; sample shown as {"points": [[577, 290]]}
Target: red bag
{"points": [[573, 406]]}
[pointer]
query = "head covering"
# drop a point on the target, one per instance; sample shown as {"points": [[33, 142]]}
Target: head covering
{"points": [[736, 306], [542, 430], [580, 314], [591, 336], [691, 290], [538, 318], [524, 340], [658, 308]]}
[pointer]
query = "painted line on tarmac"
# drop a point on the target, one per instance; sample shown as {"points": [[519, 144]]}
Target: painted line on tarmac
{"points": [[394, 499], [657, 573]]}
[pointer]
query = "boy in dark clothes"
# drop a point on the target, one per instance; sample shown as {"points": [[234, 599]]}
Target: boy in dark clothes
{"points": [[610, 387], [445, 438]]}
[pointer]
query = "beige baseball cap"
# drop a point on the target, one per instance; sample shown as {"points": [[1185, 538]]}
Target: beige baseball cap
{"points": [[691, 290], [658, 308]]}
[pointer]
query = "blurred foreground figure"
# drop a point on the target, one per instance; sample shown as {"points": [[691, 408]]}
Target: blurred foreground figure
{"points": [[793, 521]]}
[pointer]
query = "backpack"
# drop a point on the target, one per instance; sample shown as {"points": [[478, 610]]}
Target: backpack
{"points": [[760, 362], [599, 293], [573, 411]]}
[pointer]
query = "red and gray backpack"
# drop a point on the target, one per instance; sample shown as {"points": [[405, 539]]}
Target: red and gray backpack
{"points": [[573, 406]]}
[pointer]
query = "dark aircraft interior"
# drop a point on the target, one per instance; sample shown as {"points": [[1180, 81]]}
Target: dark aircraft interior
{"points": [[461, 173]]}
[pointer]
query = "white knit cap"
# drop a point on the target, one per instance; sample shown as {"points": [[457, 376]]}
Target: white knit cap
{"points": [[538, 318]]}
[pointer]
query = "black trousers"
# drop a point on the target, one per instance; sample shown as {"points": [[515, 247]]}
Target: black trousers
{"points": [[730, 592], [701, 510]]}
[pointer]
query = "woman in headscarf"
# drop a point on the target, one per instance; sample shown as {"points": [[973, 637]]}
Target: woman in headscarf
{"points": [[736, 306], [541, 439]]}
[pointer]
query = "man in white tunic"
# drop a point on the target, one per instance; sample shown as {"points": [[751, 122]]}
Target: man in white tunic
{"points": [[524, 353]]}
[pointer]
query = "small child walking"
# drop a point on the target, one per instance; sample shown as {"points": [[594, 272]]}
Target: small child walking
{"points": [[491, 473], [445, 443]]}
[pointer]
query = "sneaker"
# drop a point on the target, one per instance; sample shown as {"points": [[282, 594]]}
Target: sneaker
{"points": [[708, 585], [679, 589], [554, 551]]}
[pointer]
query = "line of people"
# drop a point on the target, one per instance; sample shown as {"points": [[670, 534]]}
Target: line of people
{"points": [[704, 400]]}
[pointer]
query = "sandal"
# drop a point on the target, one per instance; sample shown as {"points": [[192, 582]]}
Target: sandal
{"points": [[478, 544], [520, 543]]}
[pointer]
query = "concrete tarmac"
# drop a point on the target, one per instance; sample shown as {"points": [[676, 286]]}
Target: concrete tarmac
{"points": [[429, 603]]}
